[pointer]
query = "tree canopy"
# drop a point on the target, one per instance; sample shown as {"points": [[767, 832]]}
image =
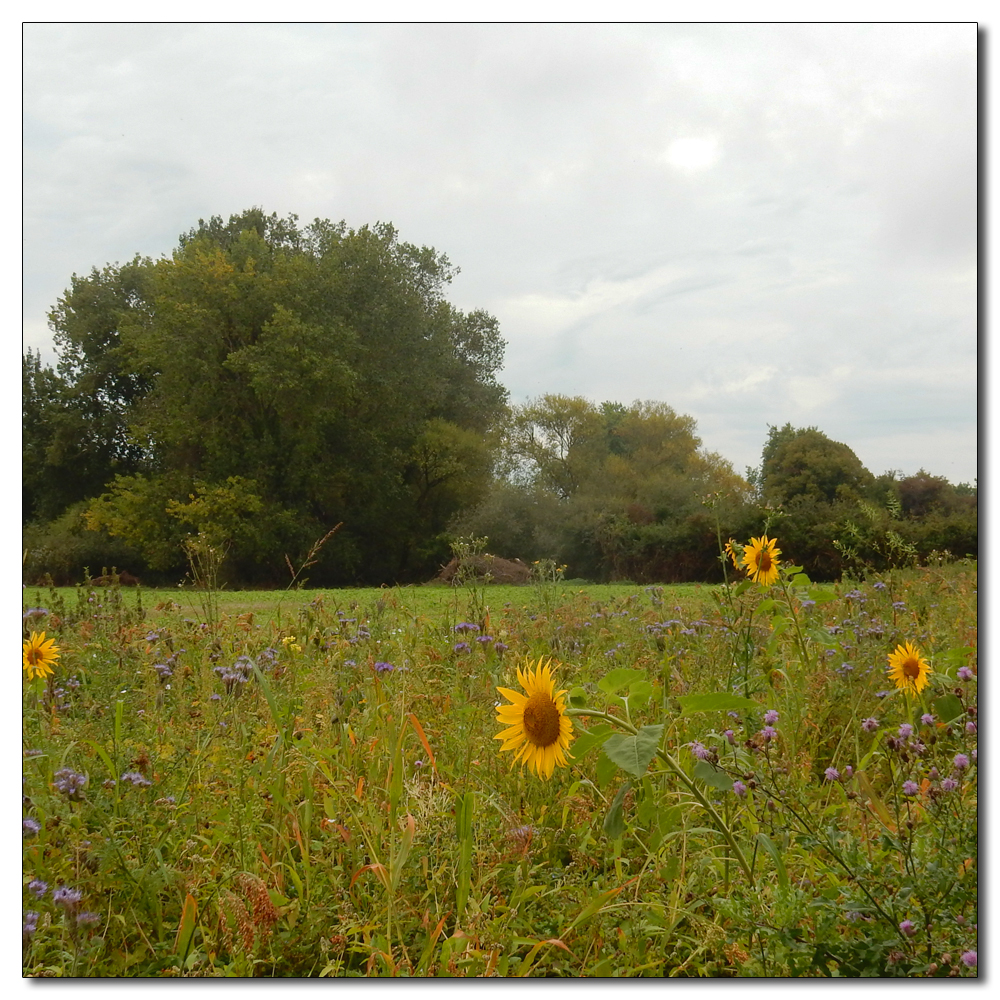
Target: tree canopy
{"points": [[319, 367]]}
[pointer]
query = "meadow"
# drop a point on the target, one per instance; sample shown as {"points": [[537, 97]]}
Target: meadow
{"points": [[759, 780]]}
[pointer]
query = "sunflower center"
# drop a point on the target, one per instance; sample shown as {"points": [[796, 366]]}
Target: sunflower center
{"points": [[911, 667], [764, 562], [34, 655], [541, 720]]}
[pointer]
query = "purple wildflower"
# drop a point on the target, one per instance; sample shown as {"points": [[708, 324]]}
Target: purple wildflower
{"points": [[961, 762], [770, 716], [466, 627], [769, 732], [970, 959], [970, 728], [70, 783], [38, 887], [907, 928], [739, 788], [383, 668], [30, 924], [927, 719], [29, 827], [869, 725], [461, 647], [88, 919], [730, 737], [948, 785], [501, 647], [832, 774], [484, 639], [136, 779], [910, 788], [66, 897], [878, 585], [700, 751], [905, 731], [965, 674]]}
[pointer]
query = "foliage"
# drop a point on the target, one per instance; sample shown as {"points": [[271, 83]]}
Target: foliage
{"points": [[313, 789], [320, 364]]}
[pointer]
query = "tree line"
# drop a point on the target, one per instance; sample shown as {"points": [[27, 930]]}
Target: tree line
{"points": [[268, 383]]}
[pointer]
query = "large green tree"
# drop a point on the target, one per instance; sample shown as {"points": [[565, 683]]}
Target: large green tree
{"points": [[319, 367]]}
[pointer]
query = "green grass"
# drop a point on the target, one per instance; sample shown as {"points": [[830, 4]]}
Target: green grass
{"points": [[317, 816]]}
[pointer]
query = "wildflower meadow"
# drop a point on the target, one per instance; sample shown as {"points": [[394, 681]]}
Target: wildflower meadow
{"points": [[765, 778]]}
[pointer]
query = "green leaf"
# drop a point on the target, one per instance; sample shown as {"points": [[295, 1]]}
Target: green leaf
{"points": [[721, 701], [639, 692], [765, 841], [577, 698], [711, 775], [589, 739], [947, 708], [619, 678], [633, 753], [614, 821]]}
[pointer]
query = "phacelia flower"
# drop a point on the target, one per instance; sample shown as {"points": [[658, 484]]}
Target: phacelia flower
{"points": [[70, 783], [29, 827], [383, 668], [38, 887], [66, 897]]}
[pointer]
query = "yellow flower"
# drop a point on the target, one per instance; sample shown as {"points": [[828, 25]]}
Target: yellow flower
{"points": [[732, 553], [760, 560], [537, 729], [39, 655], [908, 669]]}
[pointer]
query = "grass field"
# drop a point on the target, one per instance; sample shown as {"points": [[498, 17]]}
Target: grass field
{"points": [[308, 783]]}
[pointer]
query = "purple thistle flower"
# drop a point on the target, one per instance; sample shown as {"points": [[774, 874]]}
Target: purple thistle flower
{"points": [[38, 887], [975, 756], [927, 719], [961, 762], [869, 725], [770, 716], [905, 731], [948, 785], [970, 959], [970, 728], [965, 674], [739, 788], [769, 732], [730, 737], [700, 751], [910, 788], [29, 827], [832, 774], [907, 928]]}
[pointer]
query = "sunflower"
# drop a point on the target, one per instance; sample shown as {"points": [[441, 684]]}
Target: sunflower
{"points": [[908, 669], [732, 549], [537, 729], [39, 655], [760, 560]]}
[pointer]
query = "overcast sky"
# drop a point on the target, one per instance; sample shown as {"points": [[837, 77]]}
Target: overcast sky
{"points": [[755, 224]]}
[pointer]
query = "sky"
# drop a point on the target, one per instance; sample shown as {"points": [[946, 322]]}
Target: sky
{"points": [[754, 223]]}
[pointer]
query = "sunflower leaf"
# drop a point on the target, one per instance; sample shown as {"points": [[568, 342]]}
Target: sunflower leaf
{"points": [[616, 679], [614, 821], [633, 753], [720, 701]]}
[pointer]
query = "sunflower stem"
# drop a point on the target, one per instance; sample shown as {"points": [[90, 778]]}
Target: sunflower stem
{"points": [[679, 771]]}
